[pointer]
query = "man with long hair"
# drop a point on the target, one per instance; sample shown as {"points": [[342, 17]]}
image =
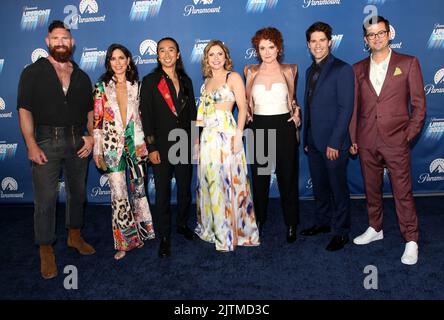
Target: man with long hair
{"points": [[167, 103]]}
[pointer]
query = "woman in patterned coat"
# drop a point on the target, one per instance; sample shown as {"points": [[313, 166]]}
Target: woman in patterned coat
{"points": [[119, 148]]}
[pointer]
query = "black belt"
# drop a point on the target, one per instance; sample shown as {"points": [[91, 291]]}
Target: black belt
{"points": [[59, 131]]}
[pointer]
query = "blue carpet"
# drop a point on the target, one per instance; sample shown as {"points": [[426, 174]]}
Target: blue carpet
{"points": [[274, 270]]}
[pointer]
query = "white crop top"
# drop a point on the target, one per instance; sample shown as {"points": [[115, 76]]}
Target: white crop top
{"points": [[270, 102]]}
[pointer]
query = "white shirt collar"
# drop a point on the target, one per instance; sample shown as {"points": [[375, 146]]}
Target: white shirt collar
{"points": [[385, 61]]}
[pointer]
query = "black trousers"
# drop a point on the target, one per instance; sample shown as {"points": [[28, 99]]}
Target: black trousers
{"points": [[60, 146], [285, 160], [163, 174]]}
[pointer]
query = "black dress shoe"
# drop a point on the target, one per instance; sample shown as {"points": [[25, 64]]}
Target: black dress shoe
{"points": [[315, 230], [291, 234], [164, 248], [337, 243], [186, 232]]}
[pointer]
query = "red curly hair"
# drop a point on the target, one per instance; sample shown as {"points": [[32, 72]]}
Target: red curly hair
{"points": [[269, 33]]}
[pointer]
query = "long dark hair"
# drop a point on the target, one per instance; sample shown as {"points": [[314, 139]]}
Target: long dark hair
{"points": [[131, 73], [179, 64]]}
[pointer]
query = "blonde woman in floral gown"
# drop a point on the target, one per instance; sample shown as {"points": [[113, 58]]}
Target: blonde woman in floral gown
{"points": [[225, 213]]}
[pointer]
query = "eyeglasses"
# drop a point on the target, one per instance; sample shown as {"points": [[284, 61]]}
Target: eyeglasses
{"points": [[380, 34]]}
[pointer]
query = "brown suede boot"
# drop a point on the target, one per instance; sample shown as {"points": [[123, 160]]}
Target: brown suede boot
{"points": [[76, 241], [48, 267]]}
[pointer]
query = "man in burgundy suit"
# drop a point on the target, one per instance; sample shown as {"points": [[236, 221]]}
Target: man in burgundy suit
{"points": [[382, 128]]}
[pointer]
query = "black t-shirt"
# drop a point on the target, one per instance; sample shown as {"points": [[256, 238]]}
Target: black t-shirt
{"points": [[41, 93]]}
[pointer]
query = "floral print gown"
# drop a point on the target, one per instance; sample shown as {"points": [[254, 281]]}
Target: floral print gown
{"points": [[225, 213]]}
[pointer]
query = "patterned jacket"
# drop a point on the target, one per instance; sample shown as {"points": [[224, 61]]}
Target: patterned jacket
{"points": [[109, 131]]}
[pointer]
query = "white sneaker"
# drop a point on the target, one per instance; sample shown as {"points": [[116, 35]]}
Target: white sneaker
{"points": [[410, 255], [368, 236]]}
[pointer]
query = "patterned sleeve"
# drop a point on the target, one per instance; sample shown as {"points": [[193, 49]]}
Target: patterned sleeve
{"points": [[99, 103]]}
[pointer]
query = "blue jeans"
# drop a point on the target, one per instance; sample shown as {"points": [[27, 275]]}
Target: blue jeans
{"points": [[60, 145]]}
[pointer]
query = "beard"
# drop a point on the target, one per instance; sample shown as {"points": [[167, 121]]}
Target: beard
{"points": [[60, 56]]}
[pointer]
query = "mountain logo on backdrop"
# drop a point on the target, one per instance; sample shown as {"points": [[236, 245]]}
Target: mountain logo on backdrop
{"points": [[394, 45], [103, 189], [140, 10], [2, 108], [34, 17], [87, 8], [38, 53], [148, 52], [104, 181], [9, 185], [438, 86], [435, 174]]}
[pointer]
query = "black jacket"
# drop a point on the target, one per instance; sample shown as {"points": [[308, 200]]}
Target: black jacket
{"points": [[157, 117]]}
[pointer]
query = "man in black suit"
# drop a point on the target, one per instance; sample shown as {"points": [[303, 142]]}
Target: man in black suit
{"points": [[167, 103]]}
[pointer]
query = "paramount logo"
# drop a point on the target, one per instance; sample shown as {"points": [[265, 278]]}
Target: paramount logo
{"points": [[191, 9], [103, 189], [38, 53], [147, 47], [436, 172], [2, 108], [394, 45], [88, 7], [438, 81], [313, 3], [250, 53], [9, 185]]}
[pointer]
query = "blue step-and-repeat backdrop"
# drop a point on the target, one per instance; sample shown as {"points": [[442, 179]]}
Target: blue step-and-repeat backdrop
{"points": [[417, 28]]}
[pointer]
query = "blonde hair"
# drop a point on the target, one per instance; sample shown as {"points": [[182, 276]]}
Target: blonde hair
{"points": [[206, 69]]}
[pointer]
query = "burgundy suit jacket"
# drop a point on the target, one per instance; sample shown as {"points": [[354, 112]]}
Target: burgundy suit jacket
{"points": [[389, 113]]}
